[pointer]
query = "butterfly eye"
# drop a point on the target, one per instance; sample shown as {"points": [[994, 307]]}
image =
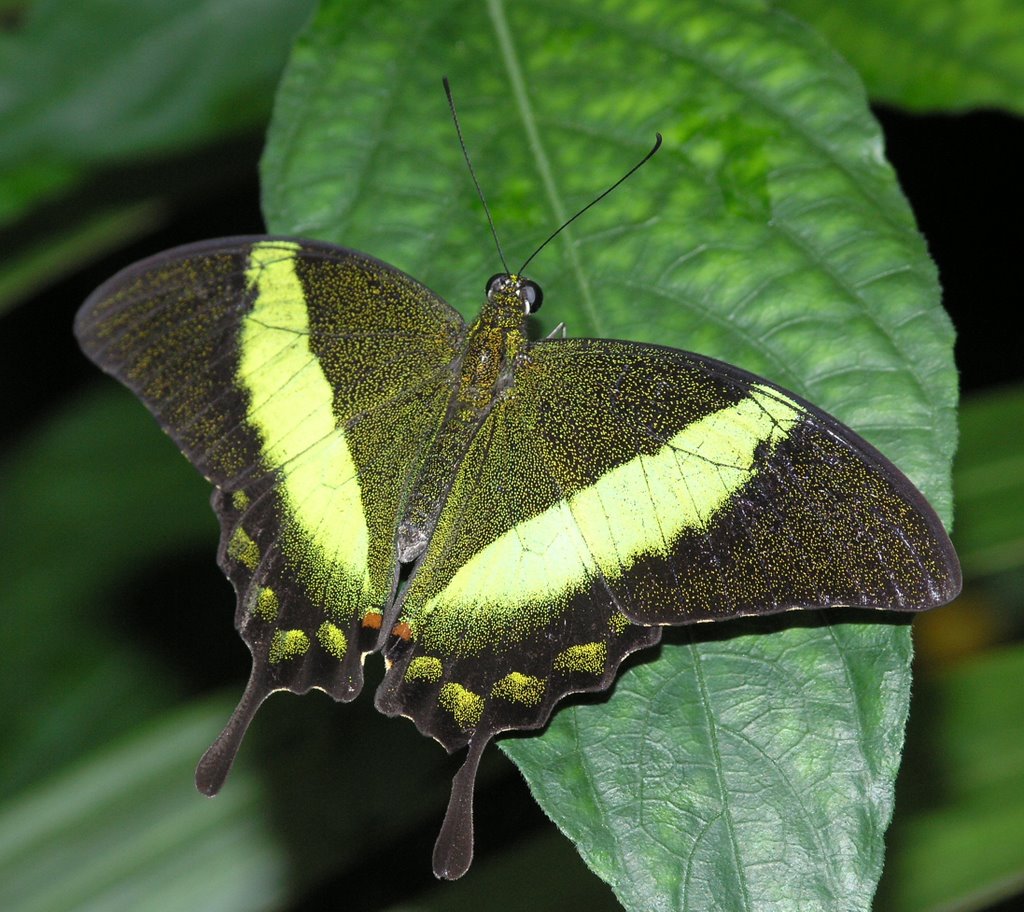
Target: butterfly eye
{"points": [[532, 295], [494, 282]]}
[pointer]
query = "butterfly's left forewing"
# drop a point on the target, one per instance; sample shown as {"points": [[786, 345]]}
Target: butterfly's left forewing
{"points": [[305, 381]]}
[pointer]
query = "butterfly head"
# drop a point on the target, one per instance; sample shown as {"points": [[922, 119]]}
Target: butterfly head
{"points": [[513, 295]]}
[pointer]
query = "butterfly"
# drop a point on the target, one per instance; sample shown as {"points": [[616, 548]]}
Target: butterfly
{"points": [[547, 505]]}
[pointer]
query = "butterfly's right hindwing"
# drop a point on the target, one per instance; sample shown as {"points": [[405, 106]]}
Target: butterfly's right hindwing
{"points": [[304, 381]]}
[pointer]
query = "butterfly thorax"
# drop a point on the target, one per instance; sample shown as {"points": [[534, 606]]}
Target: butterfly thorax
{"points": [[482, 374]]}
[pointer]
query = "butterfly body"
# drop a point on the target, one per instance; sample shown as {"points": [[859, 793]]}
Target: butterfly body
{"points": [[482, 372], [555, 502]]}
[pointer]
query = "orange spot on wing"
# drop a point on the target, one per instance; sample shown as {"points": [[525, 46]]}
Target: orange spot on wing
{"points": [[372, 620], [402, 630]]}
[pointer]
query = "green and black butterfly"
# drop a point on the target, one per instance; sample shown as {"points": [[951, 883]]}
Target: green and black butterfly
{"points": [[554, 502]]}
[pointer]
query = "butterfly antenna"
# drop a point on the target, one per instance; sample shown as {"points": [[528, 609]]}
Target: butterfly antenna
{"points": [[594, 202], [472, 173]]}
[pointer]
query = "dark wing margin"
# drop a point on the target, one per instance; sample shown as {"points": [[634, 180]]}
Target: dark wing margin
{"points": [[305, 381]]}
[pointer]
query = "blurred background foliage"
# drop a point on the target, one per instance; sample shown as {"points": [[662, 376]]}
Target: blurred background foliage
{"points": [[127, 127]]}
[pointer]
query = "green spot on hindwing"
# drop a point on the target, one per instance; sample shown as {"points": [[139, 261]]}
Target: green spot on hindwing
{"points": [[240, 500], [287, 644], [333, 640], [617, 623], [588, 658], [243, 549], [464, 705], [519, 688], [424, 668], [267, 604]]}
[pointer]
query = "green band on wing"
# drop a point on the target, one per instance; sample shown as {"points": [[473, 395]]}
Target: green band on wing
{"points": [[637, 508], [290, 405]]}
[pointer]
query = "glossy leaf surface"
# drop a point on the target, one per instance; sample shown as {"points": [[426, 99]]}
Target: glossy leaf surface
{"points": [[948, 56]]}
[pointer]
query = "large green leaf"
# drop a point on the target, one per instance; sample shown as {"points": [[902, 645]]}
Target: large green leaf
{"points": [[750, 765], [929, 54]]}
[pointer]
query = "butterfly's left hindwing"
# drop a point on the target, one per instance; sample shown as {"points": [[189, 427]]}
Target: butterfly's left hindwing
{"points": [[306, 381]]}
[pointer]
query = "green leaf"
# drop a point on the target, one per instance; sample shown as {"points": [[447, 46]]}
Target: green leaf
{"points": [[750, 765], [87, 87], [124, 829], [103, 80], [989, 482], [72, 529], [958, 847], [80, 241], [928, 54]]}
